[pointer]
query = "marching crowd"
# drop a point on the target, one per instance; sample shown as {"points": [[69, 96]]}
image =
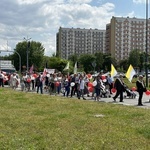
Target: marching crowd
{"points": [[77, 85]]}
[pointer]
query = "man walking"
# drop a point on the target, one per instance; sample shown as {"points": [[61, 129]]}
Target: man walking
{"points": [[140, 89], [119, 86]]}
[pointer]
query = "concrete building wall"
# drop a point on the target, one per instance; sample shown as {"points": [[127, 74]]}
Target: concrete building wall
{"points": [[126, 34], [80, 41], [122, 35]]}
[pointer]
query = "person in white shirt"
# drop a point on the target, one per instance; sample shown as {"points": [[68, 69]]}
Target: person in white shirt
{"points": [[81, 87], [14, 81], [11, 80], [86, 91], [33, 82]]}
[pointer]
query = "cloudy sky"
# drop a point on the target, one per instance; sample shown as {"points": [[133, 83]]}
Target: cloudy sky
{"points": [[40, 20]]}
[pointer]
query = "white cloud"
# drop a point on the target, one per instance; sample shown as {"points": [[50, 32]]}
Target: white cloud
{"points": [[41, 19], [139, 1], [131, 14], [28, 2], [79, 1], [78, 15]]}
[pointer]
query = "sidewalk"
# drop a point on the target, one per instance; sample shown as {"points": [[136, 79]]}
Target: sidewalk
{"points": [[127, 101]]}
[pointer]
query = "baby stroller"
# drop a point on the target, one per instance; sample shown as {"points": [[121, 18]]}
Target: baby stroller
{"points": [[129, 93], [105, 92]]}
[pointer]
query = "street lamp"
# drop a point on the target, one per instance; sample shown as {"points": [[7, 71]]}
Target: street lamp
{"points": [[28, 45], [146, 47], [19, 59], [136, 50]]}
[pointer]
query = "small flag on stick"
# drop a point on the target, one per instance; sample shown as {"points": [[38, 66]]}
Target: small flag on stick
{"points": [[31, 69], [75, 68], [44, 72], [67, 66]]}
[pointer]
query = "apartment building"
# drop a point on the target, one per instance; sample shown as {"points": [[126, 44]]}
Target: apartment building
{"points": [[78, 41], [126, 34]]}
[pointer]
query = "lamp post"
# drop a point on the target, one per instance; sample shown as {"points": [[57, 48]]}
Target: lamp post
{"points": [[0, 60], [146, 47], [28, 45], [136, 40]]}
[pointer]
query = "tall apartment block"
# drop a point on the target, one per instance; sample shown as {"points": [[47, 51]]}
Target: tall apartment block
{"points": [[126, 34], [79, 41]]}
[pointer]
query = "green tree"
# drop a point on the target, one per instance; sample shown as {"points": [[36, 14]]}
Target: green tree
{"points": [[57, 63], [54, 62], [123, 65], [108, 60], [86, 61], [46, 60], [143, 61], [134, 58], [99, 61], [73, 58], [35, 55]]}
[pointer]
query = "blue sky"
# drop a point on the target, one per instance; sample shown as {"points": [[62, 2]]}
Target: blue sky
{"points": [[41, 19]]}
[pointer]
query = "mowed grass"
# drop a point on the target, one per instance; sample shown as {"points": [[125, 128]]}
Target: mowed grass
{"points": [[44, 122]]}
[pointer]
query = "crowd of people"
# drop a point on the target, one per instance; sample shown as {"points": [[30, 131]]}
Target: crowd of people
{"points": [[77, 85]]}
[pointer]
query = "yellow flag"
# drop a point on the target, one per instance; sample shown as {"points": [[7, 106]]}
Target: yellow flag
{"points": [[113, 71], [130, 73]]}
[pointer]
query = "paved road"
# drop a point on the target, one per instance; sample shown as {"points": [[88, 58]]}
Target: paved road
{"points": [[130, 101], [127, 101]]}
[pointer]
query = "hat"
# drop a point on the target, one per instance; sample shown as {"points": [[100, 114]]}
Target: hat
{"points": [[121, 75], [140, 76]]}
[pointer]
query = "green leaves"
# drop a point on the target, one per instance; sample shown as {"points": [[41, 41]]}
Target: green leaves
{"points": [[35, 54]]}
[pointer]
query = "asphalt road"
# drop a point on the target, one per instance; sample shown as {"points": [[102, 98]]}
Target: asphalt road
{"points": [[126, 101]]}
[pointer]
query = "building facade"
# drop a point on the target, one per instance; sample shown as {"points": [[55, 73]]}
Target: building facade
{"points": [[79, 41], [126, 34]]}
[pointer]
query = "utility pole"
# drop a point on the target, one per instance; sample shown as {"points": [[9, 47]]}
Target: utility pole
{"points": [[146, 47], [28, 45]]}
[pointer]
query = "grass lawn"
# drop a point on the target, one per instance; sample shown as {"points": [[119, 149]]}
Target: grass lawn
{"points": [[44, 122]]}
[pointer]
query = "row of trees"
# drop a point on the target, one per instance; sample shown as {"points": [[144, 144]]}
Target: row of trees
{"points": [[86, 62]]}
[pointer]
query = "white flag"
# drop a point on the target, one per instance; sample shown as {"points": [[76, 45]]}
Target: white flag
{"points": [[75, 68], [67, 66], [130, 73], [113, 71]]}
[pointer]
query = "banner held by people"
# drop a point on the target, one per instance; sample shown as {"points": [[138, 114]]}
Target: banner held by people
{"points": [[31, 69]]}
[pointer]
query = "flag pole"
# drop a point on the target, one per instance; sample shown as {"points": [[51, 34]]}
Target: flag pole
{"points": [[146, 50]]}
